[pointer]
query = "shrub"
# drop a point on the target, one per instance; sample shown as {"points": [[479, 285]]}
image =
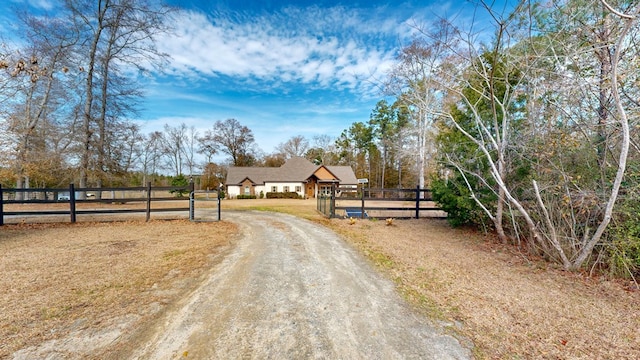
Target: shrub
{"points": [[181, 181], [261, 194], [624, 233], [455, 199], [624, 254], [283, 195], [240, 197]]}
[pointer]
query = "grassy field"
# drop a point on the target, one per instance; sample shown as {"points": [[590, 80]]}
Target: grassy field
{"points": [[62, 278], [99, 278]]}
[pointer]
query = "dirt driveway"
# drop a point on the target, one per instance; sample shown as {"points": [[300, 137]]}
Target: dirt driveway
{"points": [[292, 289]]}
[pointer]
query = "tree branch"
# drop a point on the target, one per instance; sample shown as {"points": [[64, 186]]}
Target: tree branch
{"points": [[618, 13]]}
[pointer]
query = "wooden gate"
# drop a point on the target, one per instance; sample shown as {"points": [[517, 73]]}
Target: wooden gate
{"points": [[362, 202]]}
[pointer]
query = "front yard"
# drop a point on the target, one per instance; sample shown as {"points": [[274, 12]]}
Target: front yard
{"points": [[61, 278]]}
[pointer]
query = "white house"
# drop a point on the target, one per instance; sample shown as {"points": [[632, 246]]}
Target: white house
{"points": [[297, 175]]}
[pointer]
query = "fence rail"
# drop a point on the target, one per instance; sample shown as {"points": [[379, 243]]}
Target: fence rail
{"points": [[74, 196], [379, 203]]}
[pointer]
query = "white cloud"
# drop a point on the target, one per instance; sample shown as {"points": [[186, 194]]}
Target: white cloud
{"points": [[42, 4], [38, 4], [315, 47]]}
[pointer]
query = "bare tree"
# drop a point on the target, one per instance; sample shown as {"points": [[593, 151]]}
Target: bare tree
{"points": [[576, 189], [295, 146], [413, 81], [129, 150], [233, 139], [151, 154], [629, 20], [116, 33], [486, 88], [207, 146], [323, 150], [191, 143], [37, 84], [174, 143]]}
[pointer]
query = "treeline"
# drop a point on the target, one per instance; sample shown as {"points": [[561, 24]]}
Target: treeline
{"points": [[69, 88], [529, 129], [532, 132]]}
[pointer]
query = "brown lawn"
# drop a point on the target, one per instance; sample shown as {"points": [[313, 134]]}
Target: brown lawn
{"points": [[61, 278], [58, 278], [508, 306]]}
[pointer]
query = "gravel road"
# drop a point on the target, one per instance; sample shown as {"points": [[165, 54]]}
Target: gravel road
{"points": [[294, 290]]}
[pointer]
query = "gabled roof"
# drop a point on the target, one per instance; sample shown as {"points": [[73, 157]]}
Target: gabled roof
{"points": [[296, 169], [257, 175], [344, 173]]}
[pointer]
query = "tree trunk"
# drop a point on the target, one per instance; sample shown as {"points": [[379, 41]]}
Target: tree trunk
{"points": [[604, 89], [624, 146], [88, 102]]}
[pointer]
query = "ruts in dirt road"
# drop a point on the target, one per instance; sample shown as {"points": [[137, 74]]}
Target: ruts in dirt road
{"points": [[292, 289]]}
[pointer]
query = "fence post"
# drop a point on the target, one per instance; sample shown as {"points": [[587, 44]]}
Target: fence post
{"points": [[72, 202], [1, 206], [192, 210], [362, 204], [219, 206], [332, 203], [417, 201], [148, 201]]}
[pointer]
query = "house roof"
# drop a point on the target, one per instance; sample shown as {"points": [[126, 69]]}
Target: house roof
{"points": [[344, 173], [296, 169], [257, 175]]}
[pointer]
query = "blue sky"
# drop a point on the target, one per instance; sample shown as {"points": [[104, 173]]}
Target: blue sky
{"points": [[282, 68]]}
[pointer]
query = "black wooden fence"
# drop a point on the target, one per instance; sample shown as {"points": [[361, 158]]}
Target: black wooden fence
{"points": [[73, 196], [365, 202]]}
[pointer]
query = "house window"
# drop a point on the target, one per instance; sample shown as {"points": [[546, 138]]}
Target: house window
{"points": [[247, 190], [325, 190], [285, 188], [274, 189], [298, 189]]}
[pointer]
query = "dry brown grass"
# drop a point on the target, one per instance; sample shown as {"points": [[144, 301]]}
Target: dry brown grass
{"points": [[509, 307], [303, 208], [58, 278]]}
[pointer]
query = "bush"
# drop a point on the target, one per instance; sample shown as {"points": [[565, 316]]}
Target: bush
{"points": [[283, 195], [624, 235], [624, 255], [182, 182], [455, 199], [240, 197], [261, 194]]}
